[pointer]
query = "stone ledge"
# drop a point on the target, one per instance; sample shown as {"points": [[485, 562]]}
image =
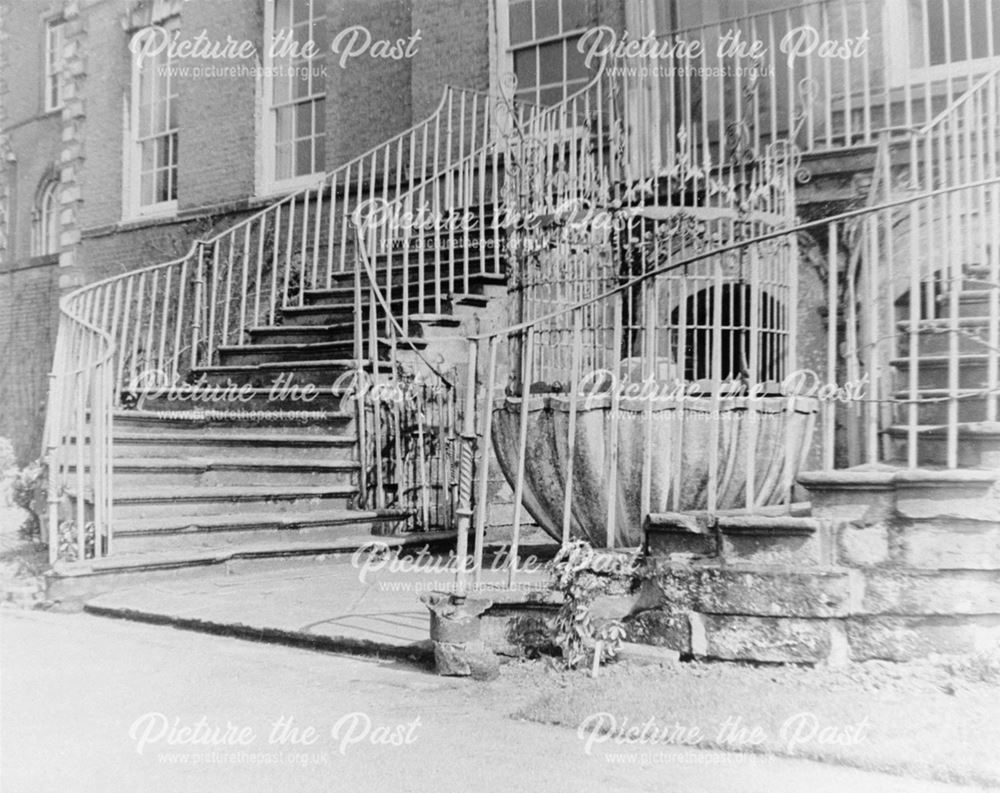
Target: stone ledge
{"points": [[908, 638], [756, 590], [765, 639], [948, 593]]}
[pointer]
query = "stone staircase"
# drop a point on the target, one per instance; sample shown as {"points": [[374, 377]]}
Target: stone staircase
{"points": [[257, 454], [979, 438], [884, 561]]}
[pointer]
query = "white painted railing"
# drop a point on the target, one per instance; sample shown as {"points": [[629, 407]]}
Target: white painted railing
{"points": [[153, 326], [891, 66]]}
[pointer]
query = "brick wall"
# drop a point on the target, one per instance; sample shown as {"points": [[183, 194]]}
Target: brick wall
{"points": [[28, 286], [27, 338]]}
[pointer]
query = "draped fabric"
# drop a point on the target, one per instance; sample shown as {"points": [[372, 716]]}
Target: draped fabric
{"points": [[769, 441]]}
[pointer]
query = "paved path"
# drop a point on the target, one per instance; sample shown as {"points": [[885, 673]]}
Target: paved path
{"points": [[336, 603], [105, 706]]}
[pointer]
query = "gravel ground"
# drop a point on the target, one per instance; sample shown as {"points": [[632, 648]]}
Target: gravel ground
{"points": [[934, 719]]}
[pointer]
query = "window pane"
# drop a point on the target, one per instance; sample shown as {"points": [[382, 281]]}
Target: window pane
{"points": [[575, 66], [303, 157], [162, 186], [979, 12], [936, 39], [301, 81], [319, 117], [957, 29], [524, 68], [319, 154], [575, 14], [550, 63], [549, 96], [303, 120], [520, 21], [546, 18], [300, 9]]}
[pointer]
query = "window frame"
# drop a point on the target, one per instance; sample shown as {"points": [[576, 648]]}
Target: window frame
{"points": [[45, 226], [270, 183], [902, 72], [507, 51], [52, 65], [133, 161]]}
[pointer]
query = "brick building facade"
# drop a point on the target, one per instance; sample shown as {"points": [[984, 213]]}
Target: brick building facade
{"points": [[80, 143]]}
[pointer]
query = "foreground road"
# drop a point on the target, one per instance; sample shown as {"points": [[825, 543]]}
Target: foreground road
{"points": [[92, 705]]}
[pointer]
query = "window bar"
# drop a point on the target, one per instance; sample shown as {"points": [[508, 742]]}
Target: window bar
{"points": [[165, 316], [275, 247], [288, 251], [245, 276], [261, 224], [612, 453], [227, 296], [526, 370], [486, 444], [303, 247], [317, 234], [137, 329]]}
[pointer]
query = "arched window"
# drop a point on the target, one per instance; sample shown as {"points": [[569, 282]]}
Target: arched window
{"points": [[45, 221]]}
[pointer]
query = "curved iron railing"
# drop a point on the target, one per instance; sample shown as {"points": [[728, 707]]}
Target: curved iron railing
{"points": [[152, 327]]}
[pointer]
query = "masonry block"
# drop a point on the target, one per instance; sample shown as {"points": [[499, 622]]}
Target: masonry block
{"points": [[771, 541], [951, 544], [858, 495], [660, 628], [863, 546], [772, 592], [768, 639], [904, 592], [908, 638]]}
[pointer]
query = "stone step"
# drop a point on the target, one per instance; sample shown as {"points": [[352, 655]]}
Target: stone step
{"points": [[202, 532], [153, 502], [233, 424], [282, 375], [934, 370], [769, 535], [333, 314], [226, 446], [935, 336], [205, 472], [971, 303], [978, 445], [253, 402], [392, 281], [301, 334], [71, 582], [251, 355], [934, 408]]}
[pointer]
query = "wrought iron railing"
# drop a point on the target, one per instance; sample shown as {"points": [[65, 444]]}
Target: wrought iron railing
{"points": [[151, 327], [836, 72]]}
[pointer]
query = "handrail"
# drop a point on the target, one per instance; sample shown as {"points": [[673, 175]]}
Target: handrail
{"points": [[713, 252], [170, 317], [774, 478], [958, 102]]}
